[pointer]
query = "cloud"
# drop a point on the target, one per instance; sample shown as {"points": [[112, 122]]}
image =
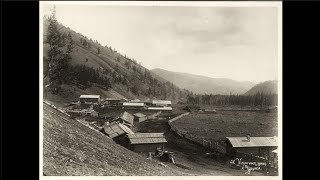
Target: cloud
{"points": [[213, 41]]}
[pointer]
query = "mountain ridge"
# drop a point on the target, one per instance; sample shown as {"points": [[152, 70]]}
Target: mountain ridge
{"points": [[266, 87], [203, 84]]}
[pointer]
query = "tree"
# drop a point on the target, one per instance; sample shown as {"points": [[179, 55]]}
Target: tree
{"points": [[58, 53], [98, 49]]}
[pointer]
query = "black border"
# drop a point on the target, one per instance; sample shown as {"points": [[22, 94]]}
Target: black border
{"points": [[20, 90], [20, 85]]}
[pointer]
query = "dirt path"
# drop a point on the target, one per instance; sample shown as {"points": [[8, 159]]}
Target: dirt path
{"points": [[189, 156]]}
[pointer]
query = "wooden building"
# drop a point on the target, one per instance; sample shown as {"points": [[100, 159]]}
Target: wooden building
{"points": [[159, 108], [113, 101], [146, 142], [133, 105], [139, 117], [89, 99], [117, 132], [251, 146], [161, 103], [125, 118]]}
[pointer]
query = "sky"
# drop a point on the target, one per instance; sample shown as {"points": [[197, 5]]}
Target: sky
{"points": [[239, 43]]}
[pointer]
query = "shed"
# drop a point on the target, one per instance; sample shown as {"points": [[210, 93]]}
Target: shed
{"points": [[89, 99], [160, 108], [133, 105], [140, 117], [113, 101], [125, 118], [146, 142], [162, 103], [117, 131], [254, 146]]}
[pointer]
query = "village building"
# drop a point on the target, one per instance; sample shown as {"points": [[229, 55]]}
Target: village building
{"points": [[139, 117], [89, 99], [117, 131], [113, 101], [125, 118], [133, 105], [146, 142], [161, 103], [160, 108], [252, 146]]}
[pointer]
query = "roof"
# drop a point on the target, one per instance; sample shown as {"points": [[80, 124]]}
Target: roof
{"points": [[160, 108], [132, 104], [112, 99], [139, 115], [115, 129], [125, 116], [161, 102], [146, 138], [90, 96], [254, 141]]}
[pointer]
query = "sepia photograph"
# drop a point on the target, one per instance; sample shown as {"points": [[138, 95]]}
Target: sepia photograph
{"points": [[160, 89]]}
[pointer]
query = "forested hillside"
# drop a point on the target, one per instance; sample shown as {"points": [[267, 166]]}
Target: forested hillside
{"points": [[75, 64], [267, 87]]}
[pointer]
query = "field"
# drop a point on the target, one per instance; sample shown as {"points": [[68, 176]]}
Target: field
{"points": [[216, 127]]}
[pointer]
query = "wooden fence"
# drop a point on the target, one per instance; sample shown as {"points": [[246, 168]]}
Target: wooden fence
{"points": [[211, 145]]}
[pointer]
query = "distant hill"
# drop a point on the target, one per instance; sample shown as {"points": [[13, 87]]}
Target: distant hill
{"points": [[202, 84], [267, 87], [127, 78]]}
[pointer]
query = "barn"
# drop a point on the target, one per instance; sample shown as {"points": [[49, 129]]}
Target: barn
{"points": [[161, 103], [133, 105], [113, 101], [125, 118], [251, 146], [89, 99], [160, 108], [146, 142], [139, 117], [117, 131]]}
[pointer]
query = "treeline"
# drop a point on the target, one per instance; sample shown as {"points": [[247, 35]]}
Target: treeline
{"points": [[258, 99]]}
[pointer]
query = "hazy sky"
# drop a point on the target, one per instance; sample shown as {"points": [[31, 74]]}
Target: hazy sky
{"points": [[230, 42]]}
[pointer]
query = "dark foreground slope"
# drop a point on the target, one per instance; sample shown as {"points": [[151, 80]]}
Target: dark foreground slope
{"points": [[70, 148]]}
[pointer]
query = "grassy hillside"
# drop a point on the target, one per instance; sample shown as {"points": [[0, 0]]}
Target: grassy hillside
{"points": [[267, 87], [204, 85], [70, 148], [127, 77]]}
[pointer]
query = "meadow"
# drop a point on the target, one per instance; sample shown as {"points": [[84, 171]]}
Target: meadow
{"points": [[216, 127]]}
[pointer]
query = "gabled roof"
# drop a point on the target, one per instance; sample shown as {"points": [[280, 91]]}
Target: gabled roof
{"points": [[146, 138], [139, 115], [254, 141], [133, 104], [90, 96], [115, 129], [160, 108], [125, 116], [161, 102]]}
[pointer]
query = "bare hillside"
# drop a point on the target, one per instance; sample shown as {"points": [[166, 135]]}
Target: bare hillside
{"points": [[70, 148]]}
